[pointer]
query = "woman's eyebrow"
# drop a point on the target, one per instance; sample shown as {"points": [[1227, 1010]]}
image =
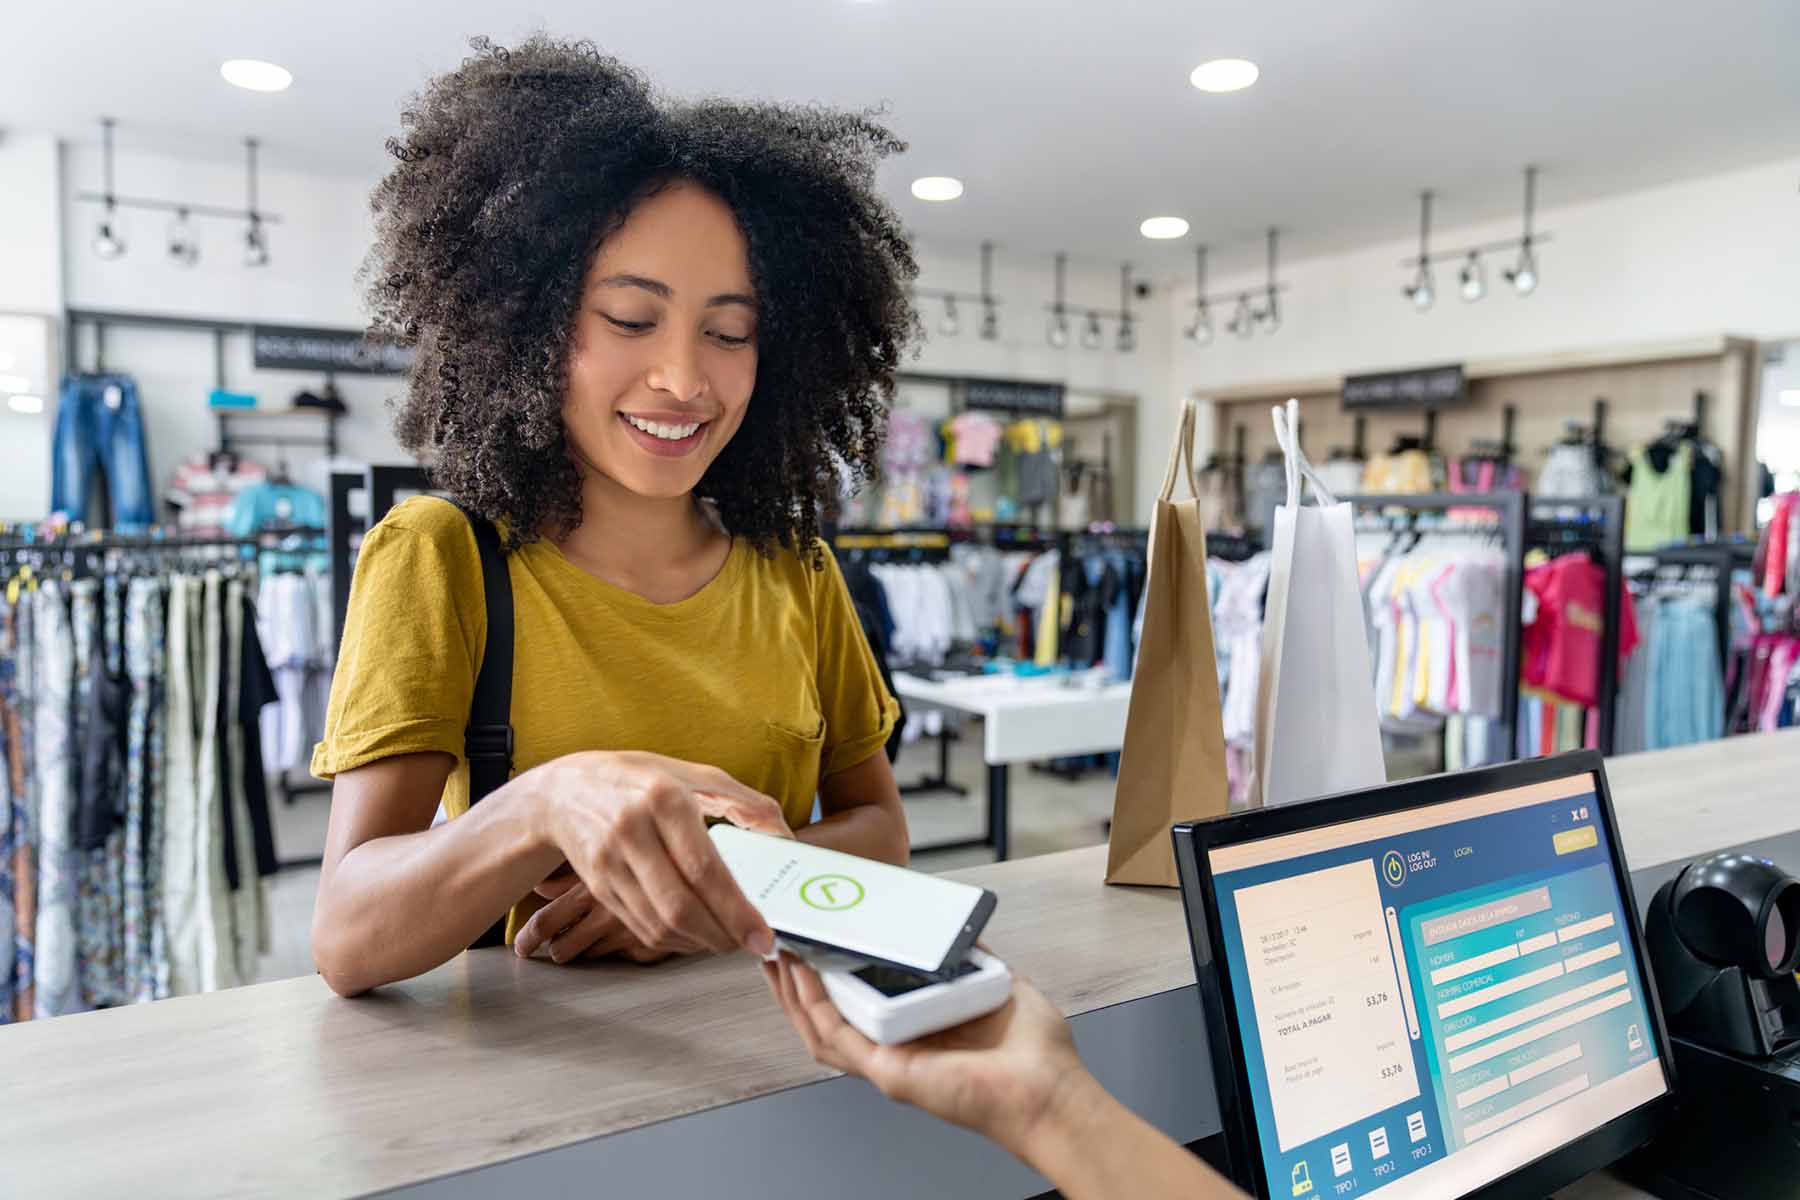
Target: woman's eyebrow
{"points": [[657, 287]]}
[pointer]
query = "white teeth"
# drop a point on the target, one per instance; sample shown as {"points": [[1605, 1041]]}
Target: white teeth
{"points": [[669, 433]]}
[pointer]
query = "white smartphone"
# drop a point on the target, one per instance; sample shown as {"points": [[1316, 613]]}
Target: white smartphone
{"points": [[890, 1006], [871, 910]]}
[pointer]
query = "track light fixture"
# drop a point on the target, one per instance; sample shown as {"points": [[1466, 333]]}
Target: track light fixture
{"points": [[1420, 291], [1127, 333], [1473, 278], [109, 238], [1243, 317], [1091, 336], [1524, 276], [184, 246], [1199, 329], [1058, 330], [1248, 314], [990, 311], [950, 326], [184, 241], [1268, 317], [256, 242]]}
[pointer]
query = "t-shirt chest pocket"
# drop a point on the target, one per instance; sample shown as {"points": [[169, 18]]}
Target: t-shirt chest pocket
{"points": [[793, 748]]}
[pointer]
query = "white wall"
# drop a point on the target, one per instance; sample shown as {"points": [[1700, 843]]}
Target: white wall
{"points": [[31, 292], [1702, 257], [1778, 429], [1026, 286], [311, 280], [30, 224]]}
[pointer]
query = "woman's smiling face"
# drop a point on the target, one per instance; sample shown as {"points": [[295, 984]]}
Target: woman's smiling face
{"points": [[663, 358]]}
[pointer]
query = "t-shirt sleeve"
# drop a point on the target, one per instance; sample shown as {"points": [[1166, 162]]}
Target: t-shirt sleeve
{"points": [[859, 710], [412, 643]]}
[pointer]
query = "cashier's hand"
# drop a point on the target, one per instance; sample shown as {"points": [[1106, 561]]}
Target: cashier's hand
{"points": [[633, 829], [999, 1075]]}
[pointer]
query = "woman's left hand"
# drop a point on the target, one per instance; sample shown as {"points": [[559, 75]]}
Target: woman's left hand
{"points": [[575, 926]]}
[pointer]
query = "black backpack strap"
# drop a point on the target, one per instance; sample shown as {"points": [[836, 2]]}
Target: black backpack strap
{"points": [[488, 740]]}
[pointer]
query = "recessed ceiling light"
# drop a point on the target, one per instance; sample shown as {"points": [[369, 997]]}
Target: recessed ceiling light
{"points": [[255, 75], [25, 404], [1163, 227], [937, 188], [1224, 75]]}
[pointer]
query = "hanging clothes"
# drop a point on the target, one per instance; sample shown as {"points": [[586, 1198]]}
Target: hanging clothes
{"points": [[1560, 645], [1571, 473], [202, 489], [1687, 696], [134, 833], [1657, 508]]}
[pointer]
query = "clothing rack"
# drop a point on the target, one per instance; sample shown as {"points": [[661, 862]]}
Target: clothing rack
{"points": [[1598, 526], [1402, 512]]}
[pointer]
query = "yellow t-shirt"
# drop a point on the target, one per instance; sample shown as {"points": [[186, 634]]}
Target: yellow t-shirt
{"points": [[764, 672]]}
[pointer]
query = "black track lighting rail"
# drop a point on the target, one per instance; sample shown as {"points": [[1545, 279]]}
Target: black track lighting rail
{"points": [[177, 206], [1449, 256]]}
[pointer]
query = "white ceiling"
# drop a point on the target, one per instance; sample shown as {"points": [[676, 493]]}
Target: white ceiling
{"points": [[1068, 122]]}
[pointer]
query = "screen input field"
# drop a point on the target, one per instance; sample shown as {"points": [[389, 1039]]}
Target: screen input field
{"points": [[1531, 1033], [1530, 1013], [1482, 1091], [1546, 1064], [1469, 966], [1518, 1112], [1588, 958], [1569, 933], [1477, 917], [1500, 991]]}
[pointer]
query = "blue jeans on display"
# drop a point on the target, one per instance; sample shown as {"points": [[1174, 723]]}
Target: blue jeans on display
{"points": [[99, 427]]}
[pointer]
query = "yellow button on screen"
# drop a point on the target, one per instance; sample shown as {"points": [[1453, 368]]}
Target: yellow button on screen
{"points": [[1571, 840]]}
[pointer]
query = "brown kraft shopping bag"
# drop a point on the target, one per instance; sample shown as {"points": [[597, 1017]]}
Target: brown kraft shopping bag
{"points": [[1172, 768]]}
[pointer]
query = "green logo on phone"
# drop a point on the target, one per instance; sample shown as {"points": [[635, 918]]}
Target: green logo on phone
{"points": [[832, 893]]}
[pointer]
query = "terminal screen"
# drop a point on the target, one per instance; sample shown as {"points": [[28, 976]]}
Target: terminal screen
{"points": [[1431, 999]]}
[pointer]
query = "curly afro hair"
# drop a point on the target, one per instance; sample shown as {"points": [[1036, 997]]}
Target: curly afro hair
{"points": [[511, 170]]}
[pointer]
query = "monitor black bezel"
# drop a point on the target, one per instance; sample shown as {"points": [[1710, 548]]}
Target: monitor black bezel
{"points": [[1194, 839]]}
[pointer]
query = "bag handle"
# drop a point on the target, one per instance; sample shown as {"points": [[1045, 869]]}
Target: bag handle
{"points": [[1287, 436], [1182, 452]]}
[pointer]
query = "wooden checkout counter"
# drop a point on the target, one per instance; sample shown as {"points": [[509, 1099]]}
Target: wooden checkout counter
{"points": [[494, 1076]]}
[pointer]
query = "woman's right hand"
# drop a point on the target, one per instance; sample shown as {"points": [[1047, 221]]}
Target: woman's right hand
{"points": [[633, 828]]}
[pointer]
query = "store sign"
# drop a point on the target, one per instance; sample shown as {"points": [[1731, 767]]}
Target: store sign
{"points": [[1427, 387], [1012, 396], [286, 348]]}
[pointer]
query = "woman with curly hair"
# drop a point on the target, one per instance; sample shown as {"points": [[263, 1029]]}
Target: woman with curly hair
{"points": [[648, 337]]}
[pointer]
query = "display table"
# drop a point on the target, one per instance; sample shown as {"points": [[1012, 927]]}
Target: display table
{"points": [[1024, 720], [493, 1076]]}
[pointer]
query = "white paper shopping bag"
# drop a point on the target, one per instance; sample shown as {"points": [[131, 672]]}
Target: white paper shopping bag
{"points": [[1316, 726]]}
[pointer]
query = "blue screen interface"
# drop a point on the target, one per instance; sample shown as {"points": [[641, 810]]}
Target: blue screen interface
{"points": [[1433, 998]]}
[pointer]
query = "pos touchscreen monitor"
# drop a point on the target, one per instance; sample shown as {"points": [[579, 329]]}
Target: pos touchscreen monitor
{"points": [[1429, 989]]}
